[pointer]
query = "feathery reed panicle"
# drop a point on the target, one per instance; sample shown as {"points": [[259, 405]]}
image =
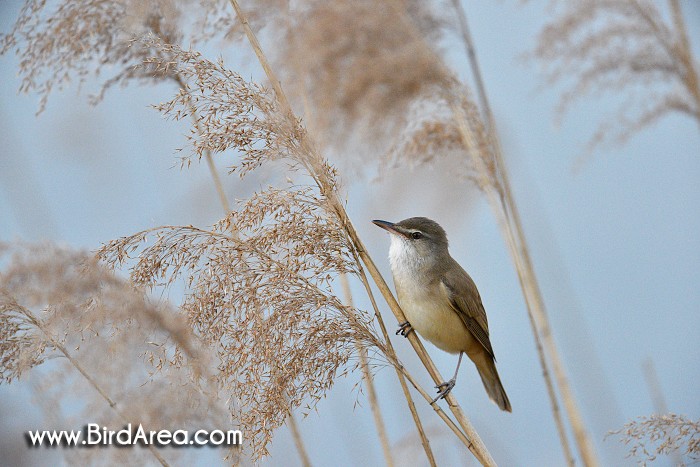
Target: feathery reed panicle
{"points": [[621, 47], [431, 132], [232, 113], [98, 340], [364, 71], [265, 297], [65, 41], [264, 300], [661, 435]]}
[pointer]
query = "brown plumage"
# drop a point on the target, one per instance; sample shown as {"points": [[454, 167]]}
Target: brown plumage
{"points": [[440, 300]]}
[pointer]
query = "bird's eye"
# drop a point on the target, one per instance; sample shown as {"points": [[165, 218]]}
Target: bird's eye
{"points": [[416, 235]]}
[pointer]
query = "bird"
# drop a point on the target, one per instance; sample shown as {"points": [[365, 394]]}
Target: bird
{"points": [[441, 301]]}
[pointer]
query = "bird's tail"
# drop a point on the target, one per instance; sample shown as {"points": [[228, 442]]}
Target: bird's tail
{"points": [[492, 382]]}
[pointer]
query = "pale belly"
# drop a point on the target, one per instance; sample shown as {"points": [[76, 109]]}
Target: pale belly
{"points": [[438, 324]]}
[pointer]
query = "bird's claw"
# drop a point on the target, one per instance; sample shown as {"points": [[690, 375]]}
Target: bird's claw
{"points": [[405, 329], [444, 389]]}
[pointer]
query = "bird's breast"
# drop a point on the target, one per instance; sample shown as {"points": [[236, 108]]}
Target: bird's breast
{"points": [[424, 301], [428, 310]]}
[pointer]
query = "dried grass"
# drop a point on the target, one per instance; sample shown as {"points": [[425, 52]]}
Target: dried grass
{"points": [[357, 67], [61, 42], [430, 133], [259, 285], [102, 349], [661, 435], [265, 296], [624, 49]]}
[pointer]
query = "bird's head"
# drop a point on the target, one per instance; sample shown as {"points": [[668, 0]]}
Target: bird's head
{"points": [[416, 236]]}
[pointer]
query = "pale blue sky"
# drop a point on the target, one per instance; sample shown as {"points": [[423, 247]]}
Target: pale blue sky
{"points": [[616, 245]]}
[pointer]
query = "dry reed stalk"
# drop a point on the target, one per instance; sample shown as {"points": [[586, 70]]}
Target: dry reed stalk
{"points": [[298, 441], [367, 376], [477, 447], [511, 227], [542, 332], [425, 442], [505, 207], [441, 413]]}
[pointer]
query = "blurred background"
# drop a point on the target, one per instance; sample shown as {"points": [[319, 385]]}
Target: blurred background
{"points": [[614, 241]]}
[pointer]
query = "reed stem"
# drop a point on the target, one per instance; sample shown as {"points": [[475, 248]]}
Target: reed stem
{"points": [[503, 204], [369, 383]]}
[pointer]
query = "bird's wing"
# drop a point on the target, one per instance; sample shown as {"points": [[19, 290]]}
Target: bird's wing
{"points": [[466, 302]]}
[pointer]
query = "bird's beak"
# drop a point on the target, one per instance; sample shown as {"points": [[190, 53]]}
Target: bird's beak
{"points": [[388, 226]]}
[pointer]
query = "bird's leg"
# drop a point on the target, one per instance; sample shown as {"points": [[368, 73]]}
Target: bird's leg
{"points": [[445, 388], [405, 329]]}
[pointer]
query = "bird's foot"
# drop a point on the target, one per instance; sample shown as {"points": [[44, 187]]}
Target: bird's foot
{"points": [[444, 389], [405, 329]]}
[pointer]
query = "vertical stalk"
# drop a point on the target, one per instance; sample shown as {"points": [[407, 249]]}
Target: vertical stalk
{"points": [[367, 376], [490, 124], [298, 441], [425, 442], [511, 226]]}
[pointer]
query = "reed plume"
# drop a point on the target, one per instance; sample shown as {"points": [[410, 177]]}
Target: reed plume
{"points": [[661, 435], [63, 42], [363, 68], [70, 321], [625, 49], [264, 298]]}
